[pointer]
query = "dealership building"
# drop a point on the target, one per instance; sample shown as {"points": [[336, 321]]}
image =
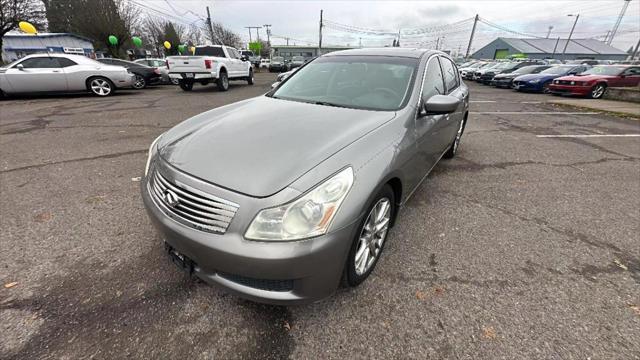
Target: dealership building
{"points": [[18, 45], [309, 52], [502, 48]]}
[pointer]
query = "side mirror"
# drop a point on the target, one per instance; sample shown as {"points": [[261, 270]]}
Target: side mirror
{"points": [[440, 104], [20, 67], [243, 58]]}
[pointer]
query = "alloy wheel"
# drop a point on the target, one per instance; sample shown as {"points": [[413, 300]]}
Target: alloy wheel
{"points": [[372, 236], [597, 92], [100, 87], [456, 142], [139, 83]]}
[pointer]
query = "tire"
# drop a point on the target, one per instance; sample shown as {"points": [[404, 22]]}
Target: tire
{"points": [[370, 244], [223, 81], [100, 86], [175, 81], [185, 85], [250, 77], [453, 148], [598, 91], [140, 82], [545, 88]]}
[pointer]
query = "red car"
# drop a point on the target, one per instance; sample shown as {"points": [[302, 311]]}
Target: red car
{"points": [[594, 82]]}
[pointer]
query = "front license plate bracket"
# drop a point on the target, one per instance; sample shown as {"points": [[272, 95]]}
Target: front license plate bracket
{"points": [[183, 262]]}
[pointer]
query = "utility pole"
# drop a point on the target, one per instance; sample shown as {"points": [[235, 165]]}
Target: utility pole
{"points": [[437, 42], [473, 31], [249, 27], [287, 41], [360, 42], [398, 43], [253, 27], [570, 33], [268, 27], [549, 32], [615, 27], [213, 40], [635, 51], [555, 48], [320, 34]]}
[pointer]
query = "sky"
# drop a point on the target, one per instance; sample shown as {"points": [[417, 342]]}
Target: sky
{"points": [[446, 24]]}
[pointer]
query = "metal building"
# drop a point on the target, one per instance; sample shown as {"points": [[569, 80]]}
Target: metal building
{"points": [[501, 48], [18, 45]]}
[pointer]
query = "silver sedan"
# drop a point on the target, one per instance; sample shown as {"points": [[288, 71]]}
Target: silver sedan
{"points": [[47, 73], [280, 197]]}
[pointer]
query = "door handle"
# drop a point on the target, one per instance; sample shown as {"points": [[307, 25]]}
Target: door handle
{"points": [[56, 71]]}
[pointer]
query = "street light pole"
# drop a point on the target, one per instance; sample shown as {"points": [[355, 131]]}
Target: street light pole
{"points": [[570, 33]]}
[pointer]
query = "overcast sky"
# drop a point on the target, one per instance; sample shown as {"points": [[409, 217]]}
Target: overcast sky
{"points": [[299, 19]]}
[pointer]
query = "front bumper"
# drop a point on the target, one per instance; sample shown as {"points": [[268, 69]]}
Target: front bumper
{"points": [[270, 272], [569, 89], [527, 86], [502, 82], [193, 76]]}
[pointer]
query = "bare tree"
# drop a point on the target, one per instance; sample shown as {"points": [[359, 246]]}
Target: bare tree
{"points": [[14, 11], [224, 36]]}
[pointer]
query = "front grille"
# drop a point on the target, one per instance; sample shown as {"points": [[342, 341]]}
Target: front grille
{"points": [[563, 82], [191, 207], [262, 284]]}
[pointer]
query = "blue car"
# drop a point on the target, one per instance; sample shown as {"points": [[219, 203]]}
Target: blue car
{"points": [[540, 82]]}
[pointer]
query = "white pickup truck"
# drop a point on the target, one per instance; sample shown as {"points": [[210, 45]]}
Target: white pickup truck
{"points": [[217, 63]]}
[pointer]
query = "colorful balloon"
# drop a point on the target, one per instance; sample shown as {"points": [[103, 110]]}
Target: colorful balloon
{"points": [[167, 45], [192, 49], [27, 27], [182, 48], [136, 41], [113, 40]]}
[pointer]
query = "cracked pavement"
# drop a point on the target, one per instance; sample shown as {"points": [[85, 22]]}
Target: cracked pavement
{"points": [[521, 247]]}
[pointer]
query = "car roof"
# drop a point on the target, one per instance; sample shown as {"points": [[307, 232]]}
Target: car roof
{"points": [[387, 51], [76, 58]]}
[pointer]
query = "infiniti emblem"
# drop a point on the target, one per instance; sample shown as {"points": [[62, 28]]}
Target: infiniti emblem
{"points": [[171, 198]]}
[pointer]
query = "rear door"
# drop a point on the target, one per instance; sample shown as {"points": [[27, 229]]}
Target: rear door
{"points": [[38, 74], [235, 64]]}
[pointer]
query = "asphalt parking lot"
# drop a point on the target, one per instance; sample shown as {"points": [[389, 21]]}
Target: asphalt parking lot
{"points": [[524, 246]]}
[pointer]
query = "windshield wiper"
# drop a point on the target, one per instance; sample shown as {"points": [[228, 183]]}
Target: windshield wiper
{"points": [[327, 104]]}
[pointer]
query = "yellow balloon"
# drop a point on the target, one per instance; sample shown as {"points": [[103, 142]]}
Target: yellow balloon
{"points": [[167, 45], [27, 27], [192, 49]]}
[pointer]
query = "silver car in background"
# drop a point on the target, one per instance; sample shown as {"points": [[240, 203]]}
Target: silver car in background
{"points": [[48, 73], [279, 197]]}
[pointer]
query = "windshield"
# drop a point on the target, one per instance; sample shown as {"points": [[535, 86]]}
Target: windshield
{"points": [[605, 70], [277, 59], [530, 69], [557, 70], [209, 51], [361, 82], [247, 53]]}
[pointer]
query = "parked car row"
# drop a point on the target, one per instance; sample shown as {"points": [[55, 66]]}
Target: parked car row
{"points": [[579, 78]]}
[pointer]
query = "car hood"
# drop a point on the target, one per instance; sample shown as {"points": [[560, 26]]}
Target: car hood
{"points": [[585, 77], [259, 146]]}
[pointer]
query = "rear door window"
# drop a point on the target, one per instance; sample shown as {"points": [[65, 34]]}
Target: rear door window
{"points": [[40, 63]]}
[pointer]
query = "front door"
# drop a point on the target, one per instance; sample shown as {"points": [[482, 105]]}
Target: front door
{"points": [[38, 74]]}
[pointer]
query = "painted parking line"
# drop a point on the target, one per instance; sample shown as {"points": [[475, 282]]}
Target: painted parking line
{"points": [[588, 136], [533, 113], [482, 101]]}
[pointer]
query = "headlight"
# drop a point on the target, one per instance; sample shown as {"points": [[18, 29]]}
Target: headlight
{"points": [[305, 217], [572, 83], [152, 150]]}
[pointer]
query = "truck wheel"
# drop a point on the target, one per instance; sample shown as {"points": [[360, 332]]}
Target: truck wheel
{"points": [[250, 77], [223, 81], [185, 85]]}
